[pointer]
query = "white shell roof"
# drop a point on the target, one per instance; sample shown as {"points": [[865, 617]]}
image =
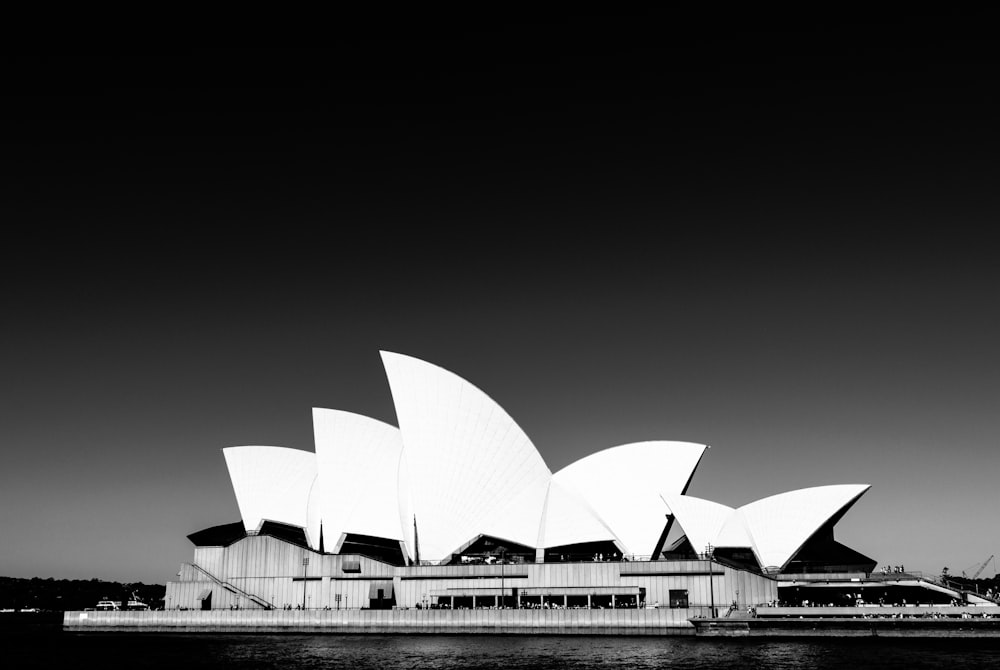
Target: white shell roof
{"points": [[462, 466], [568, 519], [782, 523], [358, 463], [473, 470], [734, 533], [702, 520], [775, 527], [624, 485], [272, 484]]}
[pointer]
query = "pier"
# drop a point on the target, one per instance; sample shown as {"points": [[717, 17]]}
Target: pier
{"points": [[912, 621]]}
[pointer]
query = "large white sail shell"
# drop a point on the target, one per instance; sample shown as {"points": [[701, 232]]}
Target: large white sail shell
{"points": [[472, 469]]}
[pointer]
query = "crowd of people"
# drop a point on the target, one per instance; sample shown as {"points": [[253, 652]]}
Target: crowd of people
{"points": [[546, 605], [934, 614], [597, 557]]}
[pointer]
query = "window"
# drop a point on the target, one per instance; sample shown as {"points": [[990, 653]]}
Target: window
{"points": [[678, 598]]}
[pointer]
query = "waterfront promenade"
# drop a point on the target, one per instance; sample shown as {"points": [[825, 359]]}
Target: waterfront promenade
{"points": [[882, 612], [662, 621], [931, 621], [927, 621]]}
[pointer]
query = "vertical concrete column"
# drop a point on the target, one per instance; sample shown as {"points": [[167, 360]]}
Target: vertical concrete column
{"points": [[612, 602], [565, 601], [473, 602], [453, 602], [496, 601], [539, 555], [589, 604]]}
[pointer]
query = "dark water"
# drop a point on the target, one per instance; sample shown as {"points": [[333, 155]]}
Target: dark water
{"points": [[290, 652]]}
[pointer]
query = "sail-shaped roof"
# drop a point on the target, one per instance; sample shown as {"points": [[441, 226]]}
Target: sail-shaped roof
{"points": [[775, 528], [459, 467], [781, 524], [702, 520], [473, 470], [272, 484], [358, 464], [568, 519], [624, 485]]}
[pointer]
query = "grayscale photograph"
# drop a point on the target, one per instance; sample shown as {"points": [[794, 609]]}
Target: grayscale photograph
{"points": [[596, 344]]}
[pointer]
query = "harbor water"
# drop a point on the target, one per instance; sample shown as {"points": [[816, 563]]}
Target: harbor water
{"points": [[53, 648]]}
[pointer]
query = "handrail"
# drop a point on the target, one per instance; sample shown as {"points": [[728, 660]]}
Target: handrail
{"points": [[887, 577], [619, 558], [837, 576], [228, 586], [957, 586]]}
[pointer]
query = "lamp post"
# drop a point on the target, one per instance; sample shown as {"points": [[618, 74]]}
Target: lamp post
{"points": [[711, 578], [305, 564], [503, 599]]}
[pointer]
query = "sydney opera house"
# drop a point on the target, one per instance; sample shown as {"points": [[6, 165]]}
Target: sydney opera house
{"points": [[455, 508]]}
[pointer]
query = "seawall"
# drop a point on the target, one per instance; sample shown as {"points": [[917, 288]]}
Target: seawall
{"points": [[660, 621], [882, 612], [850, 626]]}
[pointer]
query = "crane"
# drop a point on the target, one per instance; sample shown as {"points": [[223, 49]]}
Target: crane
{"points": [[979, 571], [983, 566]]}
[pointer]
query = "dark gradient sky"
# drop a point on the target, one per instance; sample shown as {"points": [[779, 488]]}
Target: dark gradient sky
{"points": [[782, 246]]}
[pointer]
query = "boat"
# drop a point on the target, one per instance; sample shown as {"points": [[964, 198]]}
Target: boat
{"points": [[135, 603]]}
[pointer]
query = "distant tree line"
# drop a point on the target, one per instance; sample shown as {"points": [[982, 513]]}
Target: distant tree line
{"points": [[59, 595]]}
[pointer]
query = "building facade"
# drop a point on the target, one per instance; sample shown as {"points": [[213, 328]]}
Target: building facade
{"points": [[456, 508]]}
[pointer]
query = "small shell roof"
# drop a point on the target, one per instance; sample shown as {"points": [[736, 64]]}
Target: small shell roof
{"points": [[625, 485], [782, 523], [358, 463], [775, 527], [272, 484], [702, 520]]}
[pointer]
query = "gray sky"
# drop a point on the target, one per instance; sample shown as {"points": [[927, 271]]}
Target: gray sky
{"points": [[788, 262]]}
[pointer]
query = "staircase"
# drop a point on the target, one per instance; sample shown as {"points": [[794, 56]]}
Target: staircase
{"points": [[964, 594], [735, 612], [232, 588]]}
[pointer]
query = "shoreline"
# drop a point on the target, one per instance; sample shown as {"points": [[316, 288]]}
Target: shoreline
{"points": [[645, 622], [624, 622], [831, 627]]}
